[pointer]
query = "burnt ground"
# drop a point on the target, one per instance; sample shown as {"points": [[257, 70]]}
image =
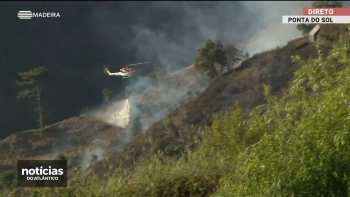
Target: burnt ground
{"points": [[174, 133], [84, 140], [72, 138]]}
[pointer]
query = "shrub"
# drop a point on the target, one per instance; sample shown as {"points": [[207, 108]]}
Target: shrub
{"points": [[308, 153]]}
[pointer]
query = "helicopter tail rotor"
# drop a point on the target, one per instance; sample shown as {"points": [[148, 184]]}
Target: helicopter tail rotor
{"points": [[105, 69]]}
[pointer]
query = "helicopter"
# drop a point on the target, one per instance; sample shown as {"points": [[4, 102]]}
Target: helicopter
{"points": [[126, 72]]}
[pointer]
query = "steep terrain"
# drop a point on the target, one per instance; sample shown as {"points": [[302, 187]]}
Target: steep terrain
{"points": [[161, 98], [174, 133], [77, 138], [85, 140], [83, 40]]}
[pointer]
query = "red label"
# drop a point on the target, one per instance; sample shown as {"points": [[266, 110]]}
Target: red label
{"points": [[326, 11]]}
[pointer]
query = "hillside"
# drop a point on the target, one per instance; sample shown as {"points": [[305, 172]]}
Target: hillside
{"points": [[80, 138], [162, 98], [296, 144], [174, 133], [173, 113], [76, 47], [87, 139]]}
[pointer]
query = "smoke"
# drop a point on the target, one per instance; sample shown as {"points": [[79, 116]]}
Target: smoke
{"points": [[268, 28], [152, 104], [117, 113], [170, 33], [199, 21], [93, 154], [159, 99]]}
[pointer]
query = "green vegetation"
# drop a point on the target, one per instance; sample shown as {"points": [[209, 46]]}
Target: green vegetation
{"points": [[306, 28], [332, 32], [136, 127], [31, 88], [107, 94], [214, 59], [8, 179], [296, 145], [306, 153]]}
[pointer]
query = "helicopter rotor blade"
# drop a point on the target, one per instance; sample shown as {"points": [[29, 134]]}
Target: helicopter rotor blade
{"points": [[137, 64], [127, 64]]}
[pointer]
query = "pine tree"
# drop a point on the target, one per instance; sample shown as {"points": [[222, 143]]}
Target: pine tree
{"points": [[107, 94], [31, 88]]}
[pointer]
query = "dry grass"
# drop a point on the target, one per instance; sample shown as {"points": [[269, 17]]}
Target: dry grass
{"points": [[273, 67], [330, 33]]}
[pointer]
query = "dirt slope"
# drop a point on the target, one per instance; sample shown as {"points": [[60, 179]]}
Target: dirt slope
{"points": [[84, 140], [72, 137], [174, 133]]}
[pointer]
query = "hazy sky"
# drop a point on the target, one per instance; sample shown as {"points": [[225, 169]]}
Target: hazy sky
{"points": [[171, 32], [90, 35]]}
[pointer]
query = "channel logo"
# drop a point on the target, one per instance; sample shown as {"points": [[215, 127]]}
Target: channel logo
{"points": [[42, 173], [30, 14], [25, 14]]}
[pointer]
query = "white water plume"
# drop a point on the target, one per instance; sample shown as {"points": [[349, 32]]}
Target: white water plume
{"points": [[117, 113]]}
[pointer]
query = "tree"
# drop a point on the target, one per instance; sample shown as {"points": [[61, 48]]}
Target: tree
{"points": [[213, 58], [107, 94], [233, 55], [31, 88], [208, 57], [306, 28], [136, 127]]}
